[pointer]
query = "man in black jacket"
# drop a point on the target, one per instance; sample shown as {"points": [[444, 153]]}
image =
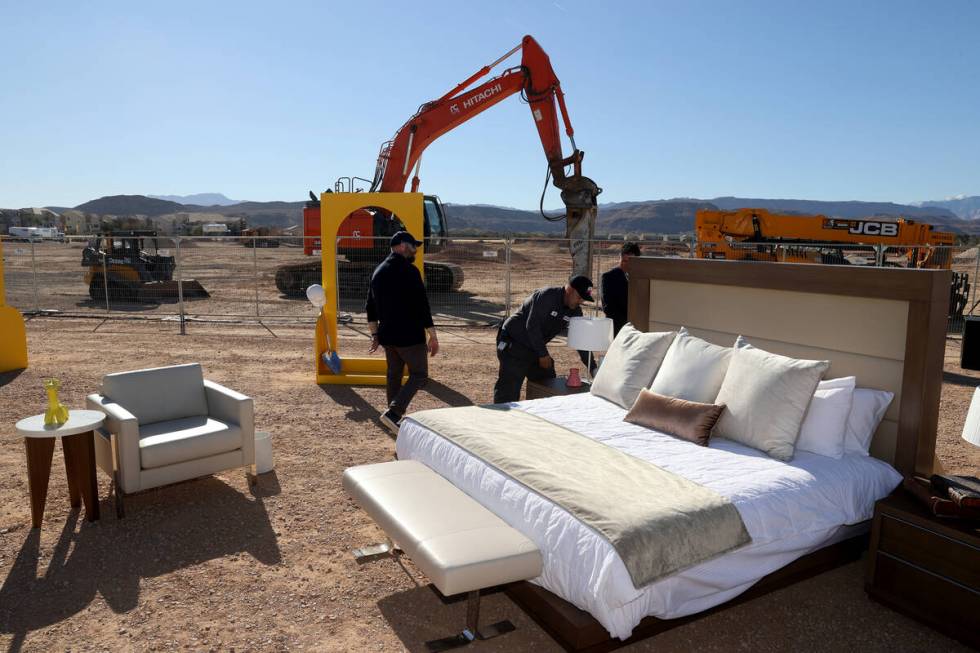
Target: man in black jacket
{"points": [[399, 317], [522, 339], [615, 287]]}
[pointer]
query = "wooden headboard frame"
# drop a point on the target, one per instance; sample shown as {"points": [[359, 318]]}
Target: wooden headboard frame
{"points": [[925, 291]]}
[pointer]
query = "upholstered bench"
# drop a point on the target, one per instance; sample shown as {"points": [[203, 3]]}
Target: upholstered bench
{"points": [[460, 545]]}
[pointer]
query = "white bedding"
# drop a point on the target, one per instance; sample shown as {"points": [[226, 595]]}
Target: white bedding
{"points": [[789, 509]]}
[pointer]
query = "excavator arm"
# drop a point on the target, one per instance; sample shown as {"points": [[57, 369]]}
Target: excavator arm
{"points": [[536, 80]]}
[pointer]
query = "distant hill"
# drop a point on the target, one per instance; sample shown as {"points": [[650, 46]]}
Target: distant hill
{"points": [[130, 205], [650, 216], [484, 218], [259, 214], [656, 216], [198, 199], [279, 214], [846, 209], [965, 207]]}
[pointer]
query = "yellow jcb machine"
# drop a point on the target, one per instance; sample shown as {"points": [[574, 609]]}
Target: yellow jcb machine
{"points": [[758, 235], [122, 267]]}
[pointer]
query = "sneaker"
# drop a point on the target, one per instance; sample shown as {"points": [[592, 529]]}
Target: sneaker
{"points": [[391, 421]]}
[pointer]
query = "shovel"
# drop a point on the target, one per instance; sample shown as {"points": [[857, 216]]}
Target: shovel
{"points": [[318, 298]]}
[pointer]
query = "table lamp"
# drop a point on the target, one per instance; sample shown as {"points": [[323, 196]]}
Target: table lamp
{"points": [[971, 428], [590, 334]]}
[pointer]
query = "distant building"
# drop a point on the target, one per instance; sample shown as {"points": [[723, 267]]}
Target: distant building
{"points": [[78, 223], [215, 229]]}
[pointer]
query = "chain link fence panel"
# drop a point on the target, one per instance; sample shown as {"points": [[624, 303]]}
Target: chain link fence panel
{"points": [[470, 280], [18, 266]]}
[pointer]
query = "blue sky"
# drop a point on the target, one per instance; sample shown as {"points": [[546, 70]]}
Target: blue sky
{"points": [[263, 101]]}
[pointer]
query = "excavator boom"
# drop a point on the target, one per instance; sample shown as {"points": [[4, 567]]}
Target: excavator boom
{"points": [[536, 80]]}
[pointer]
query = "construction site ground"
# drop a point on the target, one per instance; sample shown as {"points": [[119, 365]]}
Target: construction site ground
{"points": [[213, 565]]}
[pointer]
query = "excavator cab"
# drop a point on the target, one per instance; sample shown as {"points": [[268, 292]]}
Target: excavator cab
{"points": [[435, 225]]}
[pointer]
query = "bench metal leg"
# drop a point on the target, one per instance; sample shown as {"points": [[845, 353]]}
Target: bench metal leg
{"points": [[472, 630], [372, 552]]}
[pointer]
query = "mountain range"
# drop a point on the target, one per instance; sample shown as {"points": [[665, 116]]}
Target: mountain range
{"points": [[960, 214], [198, 199], [965, 207]]}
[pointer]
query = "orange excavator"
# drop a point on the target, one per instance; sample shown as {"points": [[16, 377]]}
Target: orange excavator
{"points": [[360, 242]]}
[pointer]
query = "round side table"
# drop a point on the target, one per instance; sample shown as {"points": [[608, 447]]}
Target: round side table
{"points": [[79, 449]]}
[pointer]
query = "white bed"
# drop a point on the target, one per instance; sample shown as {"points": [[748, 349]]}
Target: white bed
{"points": [[789, 509]]}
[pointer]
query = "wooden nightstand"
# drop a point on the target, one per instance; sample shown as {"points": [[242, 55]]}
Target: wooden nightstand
{"points": [[553, 388], [926, 567]]}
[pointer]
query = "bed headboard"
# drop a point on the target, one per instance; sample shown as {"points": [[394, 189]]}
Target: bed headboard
{"points": [[887, 326]]}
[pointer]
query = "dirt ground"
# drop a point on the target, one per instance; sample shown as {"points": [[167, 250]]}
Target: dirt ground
{"points": [[212, 565]]}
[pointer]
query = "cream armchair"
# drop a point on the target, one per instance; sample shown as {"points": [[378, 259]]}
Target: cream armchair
{"points": [[168, 424]]}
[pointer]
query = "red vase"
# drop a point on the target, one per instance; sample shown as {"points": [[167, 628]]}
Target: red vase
{"points": [[574, 380]]}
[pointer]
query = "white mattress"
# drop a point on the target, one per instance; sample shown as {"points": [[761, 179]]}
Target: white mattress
{"points": [[789, 509]]}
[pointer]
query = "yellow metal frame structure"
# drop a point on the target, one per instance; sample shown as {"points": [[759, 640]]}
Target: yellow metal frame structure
{"points": [[334, 209], [13, 334]]}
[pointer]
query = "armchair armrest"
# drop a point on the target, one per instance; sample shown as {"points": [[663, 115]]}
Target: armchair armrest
{"points": [[124, 426], [229, 406]]}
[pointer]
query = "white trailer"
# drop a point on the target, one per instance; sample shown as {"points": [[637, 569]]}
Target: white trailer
{"points": [[36, 233]]}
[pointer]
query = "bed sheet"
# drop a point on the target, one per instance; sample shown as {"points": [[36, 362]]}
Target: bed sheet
{"points": [[789, 509]]}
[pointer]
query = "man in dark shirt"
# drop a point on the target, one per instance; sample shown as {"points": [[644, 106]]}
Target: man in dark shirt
{"points": [[399, 317], [615, 287], [522, 339]]}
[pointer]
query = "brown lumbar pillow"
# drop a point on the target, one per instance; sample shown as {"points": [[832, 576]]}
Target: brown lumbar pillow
{"points": [[688, 420]]}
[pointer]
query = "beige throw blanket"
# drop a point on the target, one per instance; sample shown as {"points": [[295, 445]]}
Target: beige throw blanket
{"points": [[657, 521]]}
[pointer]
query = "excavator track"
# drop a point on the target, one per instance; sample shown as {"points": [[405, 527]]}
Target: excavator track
{"points": [[292, 280]]}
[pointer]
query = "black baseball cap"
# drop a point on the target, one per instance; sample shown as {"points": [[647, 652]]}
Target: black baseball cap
{"points": [[583, 286], [404, 237], [631, 249]]}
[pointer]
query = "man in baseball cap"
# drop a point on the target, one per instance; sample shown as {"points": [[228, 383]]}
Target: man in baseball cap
{"points": [[404, 237], [583, 286], [400, 321], [522, 339]]}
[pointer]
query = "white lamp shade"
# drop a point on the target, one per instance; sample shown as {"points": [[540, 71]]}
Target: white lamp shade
{"points": [[971, 429], [316, 295], [590, 333]]}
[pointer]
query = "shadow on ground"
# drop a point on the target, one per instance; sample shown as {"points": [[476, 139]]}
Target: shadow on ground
{"points": [[165, 530], [961, 379], [418, 615], [358, 408], [8, 377], [446, 394]]}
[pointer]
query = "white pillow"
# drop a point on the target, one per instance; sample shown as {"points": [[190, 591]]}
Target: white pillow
{"points": [[693, 369], [766, 396], [867, 409], [630, 364], [825, 424]]}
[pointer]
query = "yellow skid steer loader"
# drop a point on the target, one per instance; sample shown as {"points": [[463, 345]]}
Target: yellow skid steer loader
{"points": [[121, 267]]}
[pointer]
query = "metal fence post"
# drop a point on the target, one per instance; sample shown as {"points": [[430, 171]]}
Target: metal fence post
{"points": [[976, 279], [507, 243], [255, 272], [37, 303], [180, 285], [105, 283], [879, 255]]}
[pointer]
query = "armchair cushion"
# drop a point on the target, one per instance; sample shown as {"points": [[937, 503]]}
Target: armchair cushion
{"points": [[159, 394], [189, 438]]}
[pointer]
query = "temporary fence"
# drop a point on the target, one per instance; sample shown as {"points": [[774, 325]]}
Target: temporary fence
{"points": [[470, 280]]}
